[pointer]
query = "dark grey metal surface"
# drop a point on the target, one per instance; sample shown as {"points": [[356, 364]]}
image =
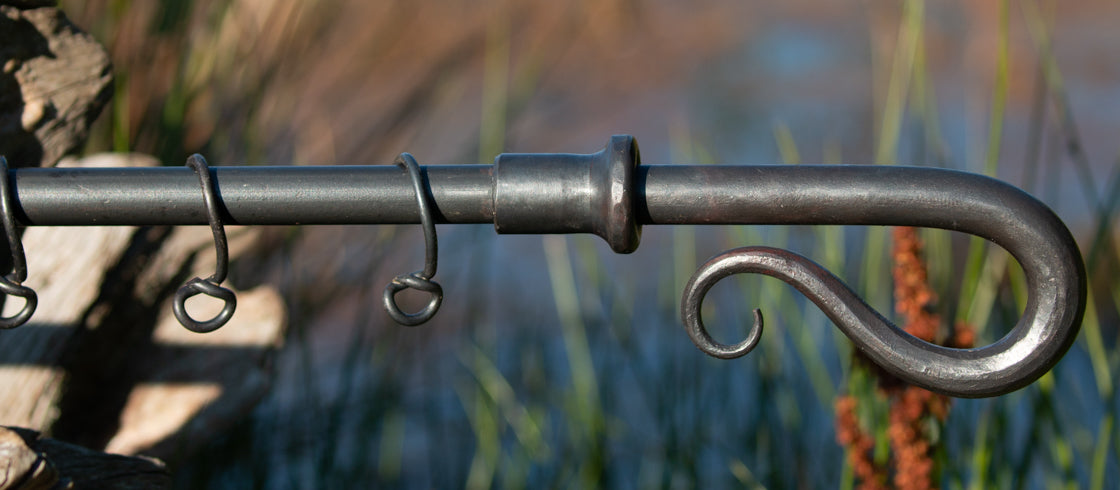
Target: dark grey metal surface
{"points": [[12, 283], [420, 280], [610, 194], [884, 195], [548, 193], [210, 286], [373, 194]]}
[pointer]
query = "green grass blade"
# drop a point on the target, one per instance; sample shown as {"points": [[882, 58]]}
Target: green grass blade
{"points": [[1100, 453]]}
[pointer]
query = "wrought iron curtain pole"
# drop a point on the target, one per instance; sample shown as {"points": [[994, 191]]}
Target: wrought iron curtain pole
{"points": [[610, 194]]}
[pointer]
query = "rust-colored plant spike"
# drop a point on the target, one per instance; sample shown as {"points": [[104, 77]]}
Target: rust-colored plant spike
{"points": [[913, 296], [860, 445], [911, 408]]}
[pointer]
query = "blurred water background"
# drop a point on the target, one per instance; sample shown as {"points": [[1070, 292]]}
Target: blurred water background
{"points": [[554, 362]]}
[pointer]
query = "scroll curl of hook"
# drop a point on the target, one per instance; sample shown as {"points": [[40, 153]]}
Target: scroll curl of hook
{"points": [[12, 284], [998, 368], [902, 196], [209, 286], [419, 280]]}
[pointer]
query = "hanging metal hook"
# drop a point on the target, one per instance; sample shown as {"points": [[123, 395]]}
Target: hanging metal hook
{"points": [[419, 280], [12, 284], [936, 198], [210, 286]]}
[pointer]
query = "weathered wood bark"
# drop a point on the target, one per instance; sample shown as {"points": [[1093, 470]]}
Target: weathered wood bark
{"points": [[54, 80], [35, 463]]}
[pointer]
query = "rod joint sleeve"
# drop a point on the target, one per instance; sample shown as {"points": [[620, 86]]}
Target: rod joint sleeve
{"points": [[555, 193]]}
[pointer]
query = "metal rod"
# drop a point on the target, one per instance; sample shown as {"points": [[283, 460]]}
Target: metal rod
{"points": [[374, 194], [610, 194], [461, 194]]}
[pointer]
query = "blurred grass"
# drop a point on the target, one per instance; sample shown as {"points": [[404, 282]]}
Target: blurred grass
{"points": [[601, 388]]}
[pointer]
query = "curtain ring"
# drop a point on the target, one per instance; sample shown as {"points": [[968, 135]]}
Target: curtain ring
{"points": [[419, 280], [210, 286], [12, 284]]}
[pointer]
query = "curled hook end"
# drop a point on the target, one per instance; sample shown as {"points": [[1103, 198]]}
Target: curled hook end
{"points": [[691, 302], [31, 300], [693, 298], [419, 283], [1011, 363], [198, 286]]}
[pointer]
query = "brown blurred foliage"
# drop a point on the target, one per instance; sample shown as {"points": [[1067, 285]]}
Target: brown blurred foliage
{"points": [[342, 81]]}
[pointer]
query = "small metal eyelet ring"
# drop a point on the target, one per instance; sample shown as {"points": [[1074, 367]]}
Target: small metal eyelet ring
{"points": [[210, 286], [11, 284], [419, 280], [196, 287]]}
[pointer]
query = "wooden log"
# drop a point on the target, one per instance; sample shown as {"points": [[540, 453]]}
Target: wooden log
{"points": [[54, 81], [36, 463]]}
